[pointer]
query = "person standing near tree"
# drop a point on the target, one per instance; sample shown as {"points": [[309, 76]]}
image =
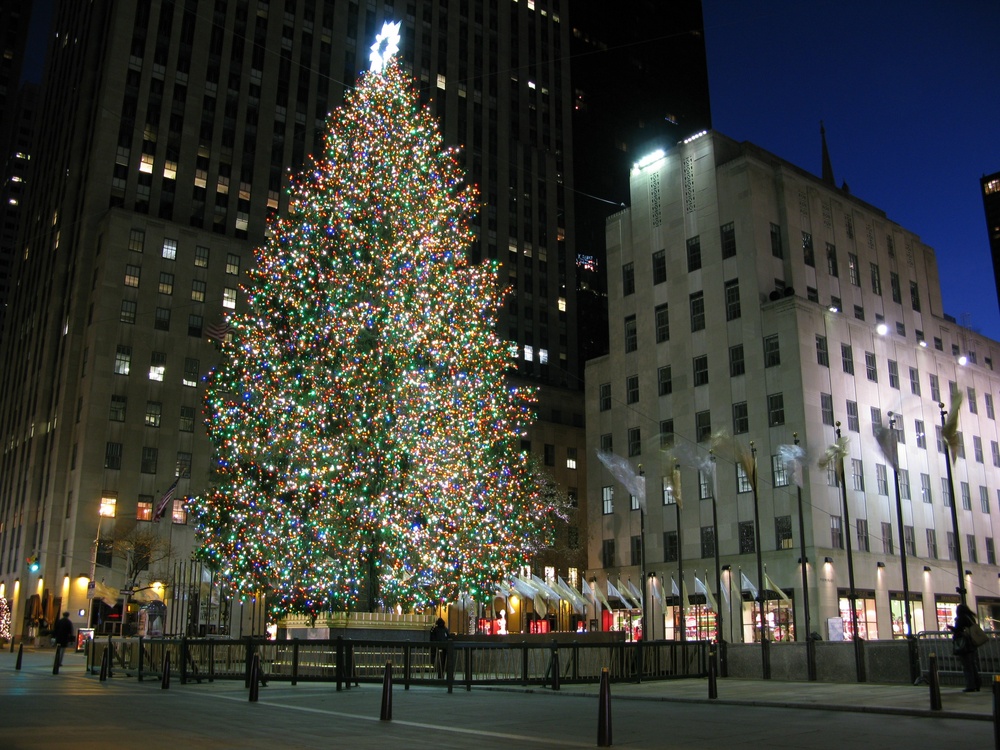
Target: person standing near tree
{"points": [[439, 634], [62, 633], [965, 648]]}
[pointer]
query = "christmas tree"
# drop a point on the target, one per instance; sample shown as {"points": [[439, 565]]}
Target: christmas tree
{"points": [[367, 442]]}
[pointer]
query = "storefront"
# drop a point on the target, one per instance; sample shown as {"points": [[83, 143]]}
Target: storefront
{"points": [[866, 614], [898, 614]]}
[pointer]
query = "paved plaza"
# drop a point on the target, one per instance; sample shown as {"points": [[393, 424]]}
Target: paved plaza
{"points": [[73, 710]]}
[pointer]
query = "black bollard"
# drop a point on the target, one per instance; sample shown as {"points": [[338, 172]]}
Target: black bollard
{"points": [[604, 711], [996, 712], [713, 685], [934, 682], [386, 714], [555, 669], [165, 680], [254, 677], [104, 666], [57, 660], [20, 654]]}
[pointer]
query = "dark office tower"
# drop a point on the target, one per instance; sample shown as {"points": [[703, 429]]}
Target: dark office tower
{"points": [[640, 82], [990, 185], [167, 129]]}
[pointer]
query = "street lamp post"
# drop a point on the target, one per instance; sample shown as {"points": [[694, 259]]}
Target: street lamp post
{"points": [[954, 511], [858, 658], [810, 645], [642, 561], [723, 666]]}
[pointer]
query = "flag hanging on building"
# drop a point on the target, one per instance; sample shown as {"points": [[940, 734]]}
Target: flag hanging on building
{"points": [[747, 585], [161, 507], [780, 592], [701, 588], [219, 331]]}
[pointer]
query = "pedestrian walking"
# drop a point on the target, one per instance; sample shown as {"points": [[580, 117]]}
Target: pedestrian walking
{"points": [[63, 634], [439, 634], [965, 647]]}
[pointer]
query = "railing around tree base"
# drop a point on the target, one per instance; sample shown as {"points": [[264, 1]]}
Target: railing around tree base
{"points": [[349, 661]]}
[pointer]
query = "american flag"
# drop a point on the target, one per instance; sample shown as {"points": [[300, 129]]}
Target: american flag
{"points": [[161, 507], [219, 331]]}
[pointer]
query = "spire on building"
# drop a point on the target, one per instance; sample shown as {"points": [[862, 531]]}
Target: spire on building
{"points": [[827, 164]]}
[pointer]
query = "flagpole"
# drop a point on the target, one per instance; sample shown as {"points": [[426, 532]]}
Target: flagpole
{"points": [[764, 655], [902, 535], [803, 562], [859, 664], [954, 509]]}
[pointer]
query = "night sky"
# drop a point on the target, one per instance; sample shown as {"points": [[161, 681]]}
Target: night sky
{"points": [[910, 95]]}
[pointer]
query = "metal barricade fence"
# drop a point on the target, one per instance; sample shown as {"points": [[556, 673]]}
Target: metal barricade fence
{"points": [[949, 667], [474, 662]]}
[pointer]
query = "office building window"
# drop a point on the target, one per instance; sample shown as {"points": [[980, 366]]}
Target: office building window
{"points": [[628, 279], [966, 496], [925, 488], [984, 499], [187, 419], [836, 533], [847, 358], [882, 479], [128, 311], [604, 396], [887, 545], [864, 544], [198, 290], [707, 541], [783, 532], [894, 287], [112, 455], [665, 381], [808, 256], [935, 388], [703, 425], [748, 541], [570, 457], [772, 352], [910, 540], [775, 409], [136, 240], [232, 264], [904, 483], [932, 548], [977, 448], [178, 514], [700, 367], [607, 442], [853, 269], [631, 336], [732, 293], [161, 320], [191, 368], [195, 325], [659, 266], [123, 359], [973, 405], [669, 546], [662, 323], [857, 474], [170, 249], [991, 554], [737, 366], [853, 420], [742, 480], [632, 389], [989, 406], [871, 371], [201, 256], [705, 489], [776, 241], [741, 420], [166, 285], [826, 408], [727, 233], [831, 259], [117, 408], [182, 468], [144, 508], [694, 253], [779, 473], [634, 442], [876, 279], [154, 411], [608, 553], [635, 550], [149, 456], [914, 381], [697, 305], [822, 354], [229, 296], [157, 365], [893, 372], [915, 296], [608, 499], [132, 275]]}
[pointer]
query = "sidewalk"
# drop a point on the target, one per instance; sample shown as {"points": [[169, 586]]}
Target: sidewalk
{"points": [[903, 700]]}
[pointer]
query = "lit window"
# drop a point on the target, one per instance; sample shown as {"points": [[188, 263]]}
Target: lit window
{"points": [[166, 285], [571, 458], [201, 256], [179, 514], [131, 275], [170, 170], [198, 290], [191, 367], [562, 304], [157, 365], [170, 249], [229, 298], [146, 165], [529, 353], [144, 508], [109, 507], [232, 264], [441, 81]]}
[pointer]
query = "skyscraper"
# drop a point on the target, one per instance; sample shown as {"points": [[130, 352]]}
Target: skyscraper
{"points": [[166, 133], [990, 186]]}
